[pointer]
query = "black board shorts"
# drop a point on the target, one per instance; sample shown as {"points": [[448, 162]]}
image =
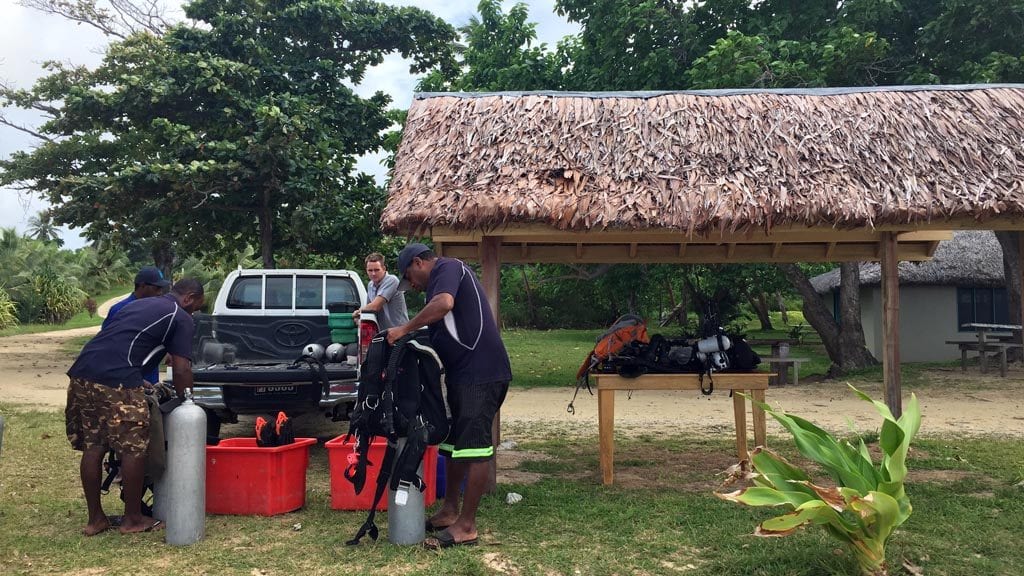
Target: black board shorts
{"points": [[473, 409]]}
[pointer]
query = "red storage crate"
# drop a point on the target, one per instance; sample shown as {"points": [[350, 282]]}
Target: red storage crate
{"points": [[245, 479], [343, 494]]}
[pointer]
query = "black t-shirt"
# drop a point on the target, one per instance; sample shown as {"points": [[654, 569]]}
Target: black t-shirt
{"points": [[135, 341], [466, 339]]}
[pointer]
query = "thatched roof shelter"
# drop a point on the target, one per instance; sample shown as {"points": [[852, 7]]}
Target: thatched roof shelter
{"points": [[853, 174], [761, 168], [971, 258]]}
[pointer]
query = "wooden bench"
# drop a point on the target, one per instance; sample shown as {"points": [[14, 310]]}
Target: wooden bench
{"points": [[999, 348], [780, 365], [753, 384]]}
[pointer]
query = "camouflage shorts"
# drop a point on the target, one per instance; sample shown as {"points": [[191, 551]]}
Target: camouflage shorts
{"points": [[107, 417]]}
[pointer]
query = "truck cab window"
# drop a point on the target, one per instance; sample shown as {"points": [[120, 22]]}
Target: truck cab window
{"points": [[309, 292], [342, 290], [279, 292], [247, 293]]}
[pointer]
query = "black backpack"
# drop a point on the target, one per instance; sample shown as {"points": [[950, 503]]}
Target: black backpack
{"points": [[400, 395]]}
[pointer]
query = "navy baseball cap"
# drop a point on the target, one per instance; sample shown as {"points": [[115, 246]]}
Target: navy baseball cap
{"points": [[405, 259], [153, 276]]}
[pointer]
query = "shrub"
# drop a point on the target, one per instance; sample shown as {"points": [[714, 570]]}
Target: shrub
{"points": [[864, 508], [8, 311], [90, 306]]}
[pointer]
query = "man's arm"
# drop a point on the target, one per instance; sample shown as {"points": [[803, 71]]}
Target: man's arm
{"points": [[181, 368], [375, 305], [435, 310]]}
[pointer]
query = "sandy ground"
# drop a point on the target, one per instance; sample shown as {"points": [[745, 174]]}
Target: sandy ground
{"points": [[32, 371]]}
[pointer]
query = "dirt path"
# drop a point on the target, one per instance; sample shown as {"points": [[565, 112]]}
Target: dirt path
{"points": [[32, 373]]}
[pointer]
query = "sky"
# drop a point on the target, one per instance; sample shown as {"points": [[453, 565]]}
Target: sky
{"points": [[28, 38]]}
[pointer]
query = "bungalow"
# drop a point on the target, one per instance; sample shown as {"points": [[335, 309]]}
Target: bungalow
{"points": [[964, 282]]}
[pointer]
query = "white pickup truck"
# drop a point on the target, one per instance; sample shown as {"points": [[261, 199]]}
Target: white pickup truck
{"points": [[247, 351]]}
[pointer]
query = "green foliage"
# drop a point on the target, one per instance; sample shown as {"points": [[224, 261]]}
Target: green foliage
{"points": [[867, 503], [8, 311], [50, 298]]}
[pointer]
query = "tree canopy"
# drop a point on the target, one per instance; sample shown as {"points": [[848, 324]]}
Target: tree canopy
{"points": [[243, 129]]}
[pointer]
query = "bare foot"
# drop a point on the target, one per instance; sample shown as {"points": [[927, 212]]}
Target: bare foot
{"points": [[147, 524], [98, 527]]}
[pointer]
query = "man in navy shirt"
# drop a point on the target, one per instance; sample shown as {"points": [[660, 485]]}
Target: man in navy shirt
{"points": [[149, 282], [106, 406], [477, 374]]}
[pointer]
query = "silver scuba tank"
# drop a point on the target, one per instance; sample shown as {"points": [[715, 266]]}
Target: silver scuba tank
{"points": [[406, 515], [180, 495]]}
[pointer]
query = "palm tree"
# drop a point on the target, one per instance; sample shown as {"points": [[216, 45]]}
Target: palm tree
{"points": [[41, 227]]}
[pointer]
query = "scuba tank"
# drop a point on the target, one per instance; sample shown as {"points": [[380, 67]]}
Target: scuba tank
{"points": [[406, 515], [180, 495]]}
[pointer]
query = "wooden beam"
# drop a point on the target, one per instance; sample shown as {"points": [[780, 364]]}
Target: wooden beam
{"points": [[682, 250], [891, 324], [730, 250], [693, 254], [524, 249], [536, 233], [490, 268], [830, 249], [632, 250], [439, 248]]}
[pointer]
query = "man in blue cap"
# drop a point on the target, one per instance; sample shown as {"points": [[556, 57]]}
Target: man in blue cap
{"points": [[477, 374], [149, 282]]}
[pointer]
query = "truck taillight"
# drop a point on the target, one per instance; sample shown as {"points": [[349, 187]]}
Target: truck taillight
{"points": [[367, 330]]}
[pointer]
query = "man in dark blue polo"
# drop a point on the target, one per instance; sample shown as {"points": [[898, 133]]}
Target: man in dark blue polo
{"points": [[149, 282], [106, 406], [477, 375]]}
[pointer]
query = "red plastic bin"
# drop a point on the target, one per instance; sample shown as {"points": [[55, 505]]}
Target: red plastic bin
{"points": [[343, 494], [245, 479]]}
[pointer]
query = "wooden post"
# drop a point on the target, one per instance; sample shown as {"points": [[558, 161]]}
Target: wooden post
{"points": [[891, 324], [490, 267]]}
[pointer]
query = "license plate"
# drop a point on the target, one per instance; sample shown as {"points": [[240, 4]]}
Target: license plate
{"points": [[274, 390]]}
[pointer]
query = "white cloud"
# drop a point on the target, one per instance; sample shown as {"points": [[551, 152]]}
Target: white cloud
{"points": [[28, 38]]}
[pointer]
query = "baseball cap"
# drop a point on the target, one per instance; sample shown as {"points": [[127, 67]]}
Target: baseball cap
{"points": [[153, 276], [405, 259]]}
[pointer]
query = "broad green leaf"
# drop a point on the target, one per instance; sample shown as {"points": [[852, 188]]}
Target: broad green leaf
{"points": [[758, 496]]}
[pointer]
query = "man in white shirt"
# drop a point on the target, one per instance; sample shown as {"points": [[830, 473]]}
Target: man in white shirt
{"points": [[382, 295]]}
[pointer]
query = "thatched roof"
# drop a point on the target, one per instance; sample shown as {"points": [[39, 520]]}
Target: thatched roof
{"points": [[699, 162], [971, 258]]}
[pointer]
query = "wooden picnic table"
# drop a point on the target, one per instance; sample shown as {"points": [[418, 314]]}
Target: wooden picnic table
{"points": [[983, 344], [779, 361], [753, 384]]}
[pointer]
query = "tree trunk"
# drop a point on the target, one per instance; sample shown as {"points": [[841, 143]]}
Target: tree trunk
{"points": [[531, 312], [815, 312], [782, 308], [1011, 273], [760, 305], [854, 353], [163, 257], [266, 223]]}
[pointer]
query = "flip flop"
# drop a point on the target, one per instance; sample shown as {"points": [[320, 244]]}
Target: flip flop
{"points": [[444, 539], [156, 525], [431, 527]]}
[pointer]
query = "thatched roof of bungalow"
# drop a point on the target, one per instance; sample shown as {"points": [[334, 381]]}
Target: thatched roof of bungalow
{"points": [[723, 161], [973, 258]]}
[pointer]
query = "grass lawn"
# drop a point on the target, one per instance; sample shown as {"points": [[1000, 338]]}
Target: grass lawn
{"points": [[661, 518], [80, 320]]}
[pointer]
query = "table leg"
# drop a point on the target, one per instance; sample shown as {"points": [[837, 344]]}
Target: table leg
{"points": [[963, 359], [760, 430], [1002, 362], [606, 433], [739, 409], [981, 350]]}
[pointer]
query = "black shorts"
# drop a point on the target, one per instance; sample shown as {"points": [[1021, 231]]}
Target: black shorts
{"points": [[473, 408]]}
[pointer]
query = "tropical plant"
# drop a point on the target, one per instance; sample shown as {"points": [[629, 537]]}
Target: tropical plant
{"points": [[867, 503], [8, 311], [55, 298]]}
